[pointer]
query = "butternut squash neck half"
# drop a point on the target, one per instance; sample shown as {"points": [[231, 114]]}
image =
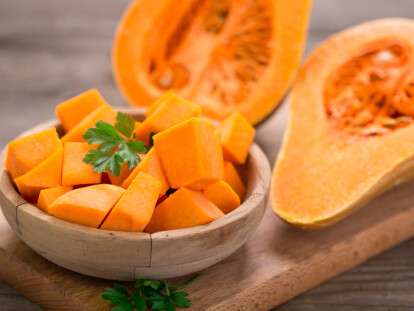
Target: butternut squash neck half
{"points": [[350, 135], [226, 55]]}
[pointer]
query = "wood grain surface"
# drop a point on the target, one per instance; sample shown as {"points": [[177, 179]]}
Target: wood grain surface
{"points": [[50, 50]]}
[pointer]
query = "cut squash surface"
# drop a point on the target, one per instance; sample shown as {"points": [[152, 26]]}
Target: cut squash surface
{"points": [[45, 175], [349, 137], [48, 196], [25, 153], [227, 55], [72, 111], [190, 154], [232, 177], [134, 210], [222, 195], [184, 208], [87, 206]]}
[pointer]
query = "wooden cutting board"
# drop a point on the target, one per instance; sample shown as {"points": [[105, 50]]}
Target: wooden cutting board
{"points": [[277, 263]]}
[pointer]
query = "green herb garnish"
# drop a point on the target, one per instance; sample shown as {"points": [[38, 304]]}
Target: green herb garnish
{"points": [[148, 294], [116, 145]]}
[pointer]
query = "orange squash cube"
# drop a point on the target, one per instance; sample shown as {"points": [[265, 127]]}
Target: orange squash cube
{"points": [[222, 195], [25, 153], [87, 206], [119, 180], [190, 154], [134, 210], [151, 165], [49, 195], [232, 177], [184, 208], [169, 110], [103, 113], [75, 171], [237, 135], [72, 111], [47, 174]]}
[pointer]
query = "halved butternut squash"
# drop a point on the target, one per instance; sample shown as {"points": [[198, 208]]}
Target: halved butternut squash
{"points": [[184, 208], [45, 175], [349, 136], [74, 110], [25, 153], [134, 209], [226, 55], [87, 206]]}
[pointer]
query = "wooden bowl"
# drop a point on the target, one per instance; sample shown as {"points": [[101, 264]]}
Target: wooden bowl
{"points": [[125, 255]]}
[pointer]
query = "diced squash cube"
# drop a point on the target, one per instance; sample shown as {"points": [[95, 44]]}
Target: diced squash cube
{"points": [[75, 171], [119, 180], [72, 111], [103, 113], [47, 174], [166, 97], [49, 195], [134, 210], [232, 177], [222, 195], [237, 135], [170, 110], [184, 208], [190, 154], [88, 205], [151, 165], [25, 153]]}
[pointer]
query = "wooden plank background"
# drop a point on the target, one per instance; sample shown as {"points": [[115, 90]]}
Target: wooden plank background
{"points": [[51, 50]]}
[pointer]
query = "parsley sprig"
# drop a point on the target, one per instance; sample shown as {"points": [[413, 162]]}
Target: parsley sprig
{"points": [[116, 145], [148, 294]]}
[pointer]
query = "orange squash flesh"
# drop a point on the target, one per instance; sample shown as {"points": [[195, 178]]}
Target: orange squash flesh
{"points": [[103, 113], [237, 136], [45, 175], [190, 154], [74, 110], [87, 206], [184, 208], [232, 177], [222, 195], [48, 196], [134, 210], [348, 140], [169, 111], [75, 171], [227, 55], [119, 180], [25, 153], [150, 164]]}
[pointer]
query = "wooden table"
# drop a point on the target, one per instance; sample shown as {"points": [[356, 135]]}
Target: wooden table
{"points": [[51, 50]]}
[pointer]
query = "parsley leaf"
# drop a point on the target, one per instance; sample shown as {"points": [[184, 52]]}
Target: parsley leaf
{"points": [[148, 294], [115, 145]]}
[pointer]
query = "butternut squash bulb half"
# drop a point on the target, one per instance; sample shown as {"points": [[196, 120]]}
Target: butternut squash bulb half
{"points": [[226, 55], [350, 133]]}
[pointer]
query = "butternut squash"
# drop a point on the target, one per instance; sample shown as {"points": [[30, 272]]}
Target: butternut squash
{"points": [[47, 174], [349, 137], [103, 113], [134, 210], [49, 195], [151, 165], [170, 110], [236, 138], [87, 206], [119, 180], [232, 177], [184, 208], [25, 153], [75, 109], [222, 195], [226, 55], [75, 171], [190, 154]]}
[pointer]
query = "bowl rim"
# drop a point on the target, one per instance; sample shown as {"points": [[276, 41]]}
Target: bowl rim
{"points": [[259, 191]]}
